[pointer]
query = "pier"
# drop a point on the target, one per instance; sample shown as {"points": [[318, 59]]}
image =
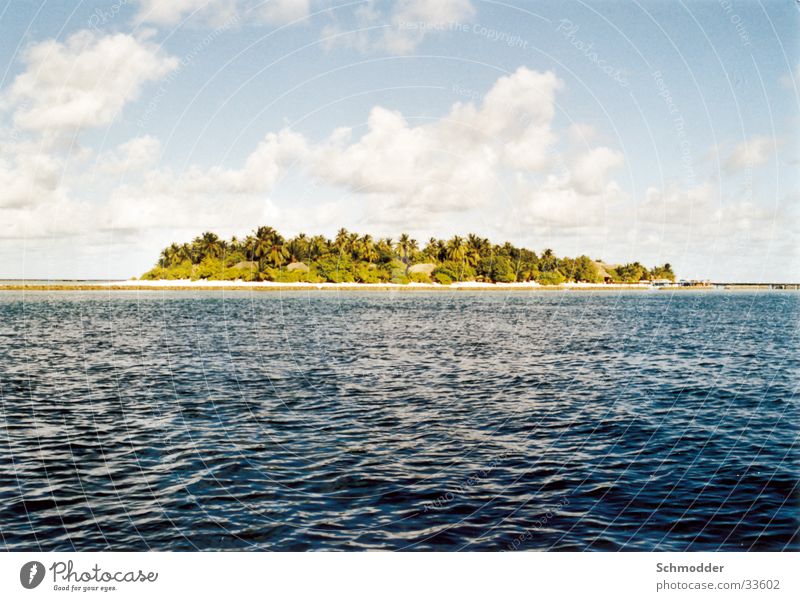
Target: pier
{"points": [[755, 286]]}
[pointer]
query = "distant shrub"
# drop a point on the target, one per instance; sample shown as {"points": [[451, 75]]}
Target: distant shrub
{"points": [[289, 277], [157, 273], [368, 274], [239, 273], [335, 269], [442, 278], [586, 270], [210, 268], [267, 274], [397, 270], [502, 270], [457, 272], [551, 278], [419, 277], [181, 271], [312, 276]]}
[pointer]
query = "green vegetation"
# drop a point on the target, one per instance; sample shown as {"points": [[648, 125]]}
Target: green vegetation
{"points": [[267, 256]]}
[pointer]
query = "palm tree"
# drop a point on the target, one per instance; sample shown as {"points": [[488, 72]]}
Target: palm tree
{"points": [[317, 247], [298, 247], [278, 254], [269, 246], [170, 256], [209, 245], [436, 249], [405, 246], [366, 249], [340, 243], [185, 253], [477, 248], [164, 259], [352, 244], [456, 249], [385, 249], [548, 261], [248, 246]]}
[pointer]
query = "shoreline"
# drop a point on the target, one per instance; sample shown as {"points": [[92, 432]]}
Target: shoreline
{"points": [[224, 285]]}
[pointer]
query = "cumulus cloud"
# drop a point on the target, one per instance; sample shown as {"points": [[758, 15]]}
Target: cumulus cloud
{"points": [[702, 211], [751, 153], [517, 112], [134, 155], [65, 87], [217, 13], [590, 171], [395, 170], [392, 172], [260, 171], [27, 177], [556, 203], [413, 166], [678, 206], [85, 81], [39, 185], [452, 164]]}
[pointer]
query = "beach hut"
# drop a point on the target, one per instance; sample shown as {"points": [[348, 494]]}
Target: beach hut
{"points": [[297, 266]]}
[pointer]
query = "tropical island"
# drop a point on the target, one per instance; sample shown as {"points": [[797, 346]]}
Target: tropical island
{"points": [[266, 256]]}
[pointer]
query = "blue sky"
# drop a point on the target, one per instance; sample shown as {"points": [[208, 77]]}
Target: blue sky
{"points": [[654, 131]]}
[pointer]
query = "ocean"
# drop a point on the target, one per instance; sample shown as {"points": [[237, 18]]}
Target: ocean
{"points": [[402, 420]]}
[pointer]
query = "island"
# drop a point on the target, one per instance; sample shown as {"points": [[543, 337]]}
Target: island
{"points": [[266, 256]]}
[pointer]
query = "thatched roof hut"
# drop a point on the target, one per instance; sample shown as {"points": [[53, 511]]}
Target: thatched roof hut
{"points": [[297, 266], [246, 265], [426, 268], [602, 269]]}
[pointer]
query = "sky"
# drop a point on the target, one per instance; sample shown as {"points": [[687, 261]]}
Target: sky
{"points": [[651, 131]]}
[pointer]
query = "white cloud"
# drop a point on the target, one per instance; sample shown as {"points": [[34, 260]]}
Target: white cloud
{"points": [[703, 213], [260, 171], [28, 177], [589, 173], [395, 169], [206, 198], [495, 164], [556, 203], [452, 164], [83, 82], [218, 13], [751, 153], [38, 186], [517, 113], [686, 208], [411, 166], [134, 155]]}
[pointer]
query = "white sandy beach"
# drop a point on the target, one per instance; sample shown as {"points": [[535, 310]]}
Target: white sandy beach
{"points": [[228, 284]]}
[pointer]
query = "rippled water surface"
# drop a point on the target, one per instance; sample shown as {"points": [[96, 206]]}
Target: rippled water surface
{"points": [[405, 420]]}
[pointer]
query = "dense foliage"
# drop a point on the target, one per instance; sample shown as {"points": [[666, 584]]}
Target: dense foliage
{"points": [[350, 257]]}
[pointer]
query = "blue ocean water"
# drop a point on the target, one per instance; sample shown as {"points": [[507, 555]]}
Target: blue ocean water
{"points": [[399, 420]]}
